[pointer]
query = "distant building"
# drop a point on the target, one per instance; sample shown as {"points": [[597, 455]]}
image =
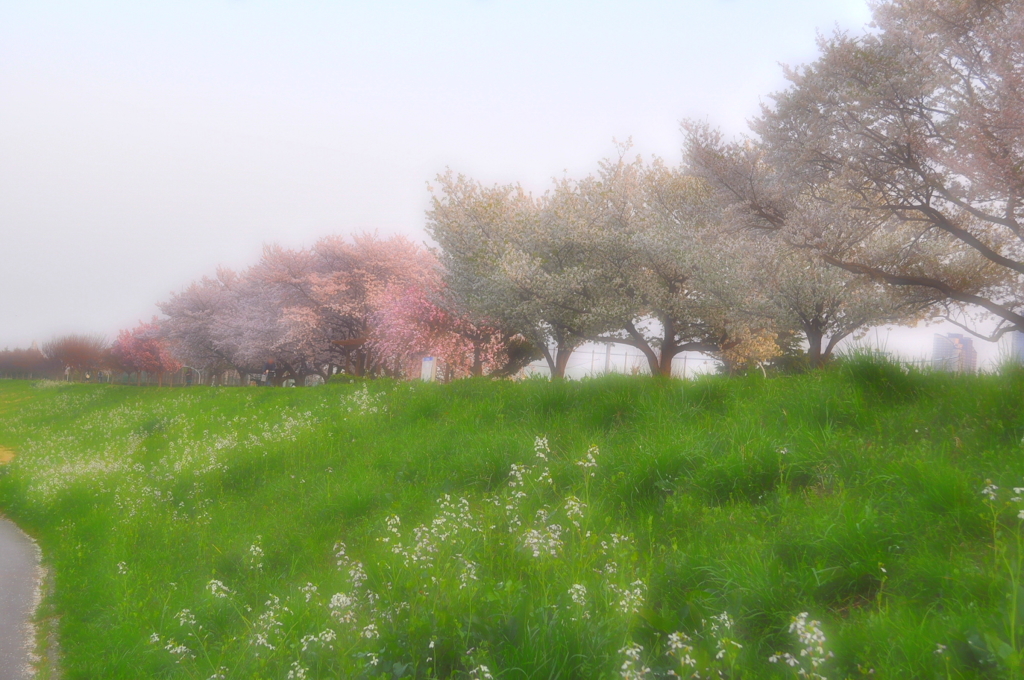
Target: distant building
{"points": [[1015, 344], [954, 353]]}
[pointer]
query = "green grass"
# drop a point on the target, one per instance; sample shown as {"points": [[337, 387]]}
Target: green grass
{"points": [[854, 495]]}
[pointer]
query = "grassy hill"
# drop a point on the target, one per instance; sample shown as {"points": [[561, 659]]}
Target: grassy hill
{"points": [[621, 527]]}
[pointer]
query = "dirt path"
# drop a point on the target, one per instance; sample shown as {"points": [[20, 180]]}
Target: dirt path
{"points": [[19, 565]]}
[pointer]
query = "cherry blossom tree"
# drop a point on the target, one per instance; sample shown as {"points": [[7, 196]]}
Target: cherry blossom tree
{"points": [[633, 254], [344, 291], [412, 323], [919, 124], [144, 349], [511, 259], [783, 224], [196, 324], [667, 281], [304, 311]]}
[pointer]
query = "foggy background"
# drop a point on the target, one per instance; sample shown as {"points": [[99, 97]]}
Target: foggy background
{"points": [[143, 145]]}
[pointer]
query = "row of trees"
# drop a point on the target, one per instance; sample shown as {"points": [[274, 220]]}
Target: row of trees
{"points": [[137, 351], [27, 364], [364, 306], [885, 185], [644, 254]]}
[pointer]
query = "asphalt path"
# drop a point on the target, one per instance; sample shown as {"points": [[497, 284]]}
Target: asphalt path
{"points": [[19, 562]]}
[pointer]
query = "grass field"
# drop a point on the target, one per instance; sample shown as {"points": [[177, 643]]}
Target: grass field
{"points": [[857, 522]]}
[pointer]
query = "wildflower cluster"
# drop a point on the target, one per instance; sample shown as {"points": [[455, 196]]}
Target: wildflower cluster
{"points": [[589, 462], [254, 558], [362, 403], [632, 666], [452, 554], [812, 648], [991, 493]]}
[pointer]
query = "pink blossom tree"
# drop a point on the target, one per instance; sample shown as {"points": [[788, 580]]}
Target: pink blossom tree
{"points": [[307, 311], [197, 324], [143, 349], [414, 322]]}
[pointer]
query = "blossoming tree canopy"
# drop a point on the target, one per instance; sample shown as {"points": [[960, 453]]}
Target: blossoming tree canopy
{"points": [[511, 258], [785, 224], [419, 321], [920, 122], [631, 254], [308, 312], [142, 349]]}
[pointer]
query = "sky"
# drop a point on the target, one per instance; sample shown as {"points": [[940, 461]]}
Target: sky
{"points": [[142, 145]]}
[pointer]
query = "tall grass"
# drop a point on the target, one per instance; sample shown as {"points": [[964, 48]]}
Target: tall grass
{"points": [[621, 527]]}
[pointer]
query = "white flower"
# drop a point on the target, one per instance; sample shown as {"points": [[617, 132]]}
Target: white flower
{"points": [[590, 461], [218, 589], [812, 640], [481, 672], [540, 447], [255, 557], [309, 590], [574, 510], [629, 670], [630, 599], [545, 541], [297, 672]]}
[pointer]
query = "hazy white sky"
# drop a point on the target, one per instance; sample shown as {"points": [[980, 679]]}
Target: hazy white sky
{"points": [[143, 144]]}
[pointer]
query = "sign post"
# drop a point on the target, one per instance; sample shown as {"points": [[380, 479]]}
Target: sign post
{"points": [[428, 372]]}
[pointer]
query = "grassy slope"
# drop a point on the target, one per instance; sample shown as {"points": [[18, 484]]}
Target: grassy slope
{"points": [[853, 495]]}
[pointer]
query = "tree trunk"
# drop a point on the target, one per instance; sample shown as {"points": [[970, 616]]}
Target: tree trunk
{"points": [[478, 363], [562, 355], [814, 338]]}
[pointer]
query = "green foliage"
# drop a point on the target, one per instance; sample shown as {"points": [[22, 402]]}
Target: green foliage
{"points": [[386, 529]]}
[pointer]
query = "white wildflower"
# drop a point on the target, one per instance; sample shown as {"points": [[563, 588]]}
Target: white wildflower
{"points": [[631, 599], [545, 541], [481, 673], [540, 447], [309, 590], [589, 461], [254, 559], [632, 668], [297, 672], [218, 589], [574, 510]]}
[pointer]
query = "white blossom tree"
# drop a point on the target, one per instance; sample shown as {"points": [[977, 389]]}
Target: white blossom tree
{"points": [[512, 259], [194, 324], [666, 279], [786, 223], [920, 125]]}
